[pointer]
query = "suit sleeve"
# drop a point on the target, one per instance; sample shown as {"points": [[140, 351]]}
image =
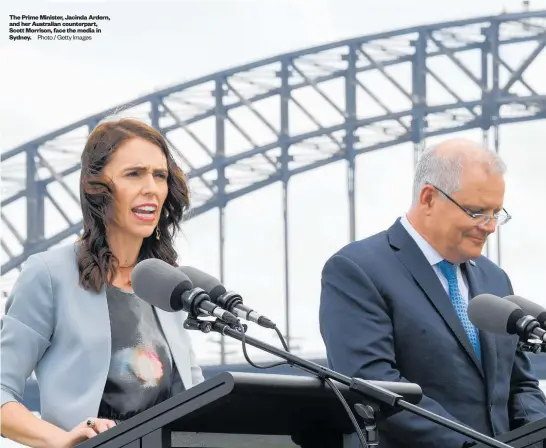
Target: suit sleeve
{"points": [[357, 331], [527, 402], [26, 328]]}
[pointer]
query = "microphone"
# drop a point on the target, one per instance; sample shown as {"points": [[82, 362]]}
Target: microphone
{"points": [[491, 313], [169, 289], [529, 307], [228, 300]]}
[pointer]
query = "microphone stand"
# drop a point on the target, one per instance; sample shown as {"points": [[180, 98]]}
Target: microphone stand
{"points": [[535, 346], [360, 386]]}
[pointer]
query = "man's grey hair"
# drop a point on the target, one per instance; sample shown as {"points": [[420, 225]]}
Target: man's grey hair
{"points": [[444, 170]]}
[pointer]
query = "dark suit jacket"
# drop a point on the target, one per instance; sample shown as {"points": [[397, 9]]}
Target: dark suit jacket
{"points": [[384, 315]]}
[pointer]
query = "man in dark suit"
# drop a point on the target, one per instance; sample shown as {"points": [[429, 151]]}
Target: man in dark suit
{"points": [[393, 306]]}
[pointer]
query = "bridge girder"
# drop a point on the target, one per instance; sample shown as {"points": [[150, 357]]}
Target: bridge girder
{"points": [[239, 130]]}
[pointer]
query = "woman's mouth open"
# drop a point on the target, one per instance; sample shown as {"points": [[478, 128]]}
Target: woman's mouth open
{"points": [[145, 212]]}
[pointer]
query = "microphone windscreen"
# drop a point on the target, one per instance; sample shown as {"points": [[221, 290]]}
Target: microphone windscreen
{"points": [[155, 281], [528, 307], [200, 279], [491, 313]]}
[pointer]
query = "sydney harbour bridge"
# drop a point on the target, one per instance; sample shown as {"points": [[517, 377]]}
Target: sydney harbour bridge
{"points": [[239, 130]]}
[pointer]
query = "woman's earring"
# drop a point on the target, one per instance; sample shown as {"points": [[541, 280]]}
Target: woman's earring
{"points": [[157, 234]]}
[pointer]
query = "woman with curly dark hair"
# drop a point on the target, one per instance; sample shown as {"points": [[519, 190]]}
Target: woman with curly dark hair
{"points": [[101, 354]]}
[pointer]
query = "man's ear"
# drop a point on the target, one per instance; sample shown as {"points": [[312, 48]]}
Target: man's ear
{"points": [[427, 198]]}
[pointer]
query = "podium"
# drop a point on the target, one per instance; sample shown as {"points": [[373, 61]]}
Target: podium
{"points": [[531, 435], [248, 409]]}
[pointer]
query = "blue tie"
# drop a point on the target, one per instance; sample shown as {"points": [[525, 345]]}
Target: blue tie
{"points": [[459, 303]]}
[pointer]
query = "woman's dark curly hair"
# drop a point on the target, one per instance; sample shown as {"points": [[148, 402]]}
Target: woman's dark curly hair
{"points": [[97, 264]]}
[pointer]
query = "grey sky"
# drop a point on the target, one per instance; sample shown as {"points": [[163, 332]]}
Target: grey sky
{"points": [[148, 45]]}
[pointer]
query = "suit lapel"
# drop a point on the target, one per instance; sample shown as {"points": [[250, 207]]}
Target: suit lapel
{"points": [[411, 256], [178, 342], [487, 340]]}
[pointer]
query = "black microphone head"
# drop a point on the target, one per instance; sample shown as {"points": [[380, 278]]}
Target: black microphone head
{"points": [[200, 279], [491, 313], [529, 307], [155, 281]]}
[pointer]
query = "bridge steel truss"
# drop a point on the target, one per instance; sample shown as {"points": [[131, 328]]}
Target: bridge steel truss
{"points": [[239, 130]]}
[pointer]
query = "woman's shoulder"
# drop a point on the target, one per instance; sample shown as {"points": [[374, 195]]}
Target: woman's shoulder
{"points": [[59, 261], [64, 254], [42, 275]]}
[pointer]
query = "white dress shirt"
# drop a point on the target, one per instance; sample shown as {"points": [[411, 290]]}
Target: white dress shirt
{"points": [[434, 258]]}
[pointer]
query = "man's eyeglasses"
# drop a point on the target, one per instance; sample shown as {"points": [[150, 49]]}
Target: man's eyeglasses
{"points": [[480, 219]]}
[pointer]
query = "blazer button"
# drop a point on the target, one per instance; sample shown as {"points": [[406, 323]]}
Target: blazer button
{"points": [[490, 407]]}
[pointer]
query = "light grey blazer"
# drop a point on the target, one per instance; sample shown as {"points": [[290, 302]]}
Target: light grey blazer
{"points": [[62, 332]]}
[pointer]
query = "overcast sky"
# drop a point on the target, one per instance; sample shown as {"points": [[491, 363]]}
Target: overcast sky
{"points": [[148, 45]]}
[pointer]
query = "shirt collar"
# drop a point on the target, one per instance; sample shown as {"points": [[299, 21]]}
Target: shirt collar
{"points": [[432, 256]]}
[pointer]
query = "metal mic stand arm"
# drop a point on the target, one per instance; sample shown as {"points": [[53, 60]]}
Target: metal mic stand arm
{"points": [[535, 346], [366, 389]]}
